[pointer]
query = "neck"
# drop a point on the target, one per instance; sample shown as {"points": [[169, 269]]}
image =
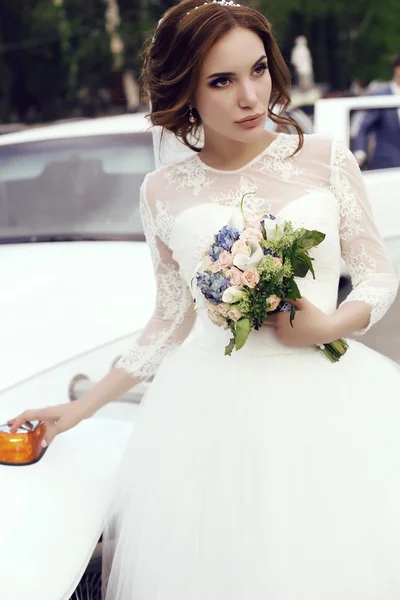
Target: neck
{"points": [[230, 154]]}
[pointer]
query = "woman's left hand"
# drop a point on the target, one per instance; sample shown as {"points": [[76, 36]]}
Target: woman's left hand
{"points": [[310, 325]]}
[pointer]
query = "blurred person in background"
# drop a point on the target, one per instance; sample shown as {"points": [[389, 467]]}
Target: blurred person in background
{"points": [[384, 123]]}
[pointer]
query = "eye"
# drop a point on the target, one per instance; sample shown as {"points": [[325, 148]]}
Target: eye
{"points": [[216, 82], [261, 68]]}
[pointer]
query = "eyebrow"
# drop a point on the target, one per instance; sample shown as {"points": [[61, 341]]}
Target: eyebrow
{"points": [[230, 74]]}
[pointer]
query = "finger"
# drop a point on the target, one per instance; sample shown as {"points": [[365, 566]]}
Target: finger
{"points": [[29, 415], [51, 431], [21, 419]]}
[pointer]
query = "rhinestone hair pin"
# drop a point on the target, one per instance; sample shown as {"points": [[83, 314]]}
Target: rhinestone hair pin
{"points": [[220, 2]]}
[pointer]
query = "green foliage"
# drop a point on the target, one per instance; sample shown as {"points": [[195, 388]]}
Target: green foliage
{"points": [[348, 40], [55, 58]]}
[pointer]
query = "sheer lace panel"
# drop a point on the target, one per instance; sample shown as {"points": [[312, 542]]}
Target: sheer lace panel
{"points": [[173, 317], [306, 186], [372, 275]]}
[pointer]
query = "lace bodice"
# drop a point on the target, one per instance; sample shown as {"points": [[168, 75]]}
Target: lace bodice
{"points": [[184, 204]]}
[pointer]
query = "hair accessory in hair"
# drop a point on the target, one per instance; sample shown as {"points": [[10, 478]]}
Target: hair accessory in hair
{"points": [[220, 2]]}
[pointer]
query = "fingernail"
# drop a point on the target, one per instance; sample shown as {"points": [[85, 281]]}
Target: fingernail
{"points": [[43, 443]]}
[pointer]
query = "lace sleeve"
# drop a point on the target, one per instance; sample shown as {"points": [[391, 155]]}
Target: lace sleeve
{"points": [[372, 275], [173, 317]]}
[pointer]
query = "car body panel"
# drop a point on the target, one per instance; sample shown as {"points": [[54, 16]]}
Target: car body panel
{"points": [[62, 300]]}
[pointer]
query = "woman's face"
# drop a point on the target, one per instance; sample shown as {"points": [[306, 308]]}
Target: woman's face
{"points": [[234, 84]]}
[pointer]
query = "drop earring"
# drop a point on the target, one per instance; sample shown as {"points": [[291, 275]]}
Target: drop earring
{"points": [[191, 117]]}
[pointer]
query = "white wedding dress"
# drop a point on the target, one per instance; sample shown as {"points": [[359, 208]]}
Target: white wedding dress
{"points": [[272, 474]]}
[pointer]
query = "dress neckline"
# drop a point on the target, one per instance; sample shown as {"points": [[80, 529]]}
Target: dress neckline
{"points": [[264, 152]]}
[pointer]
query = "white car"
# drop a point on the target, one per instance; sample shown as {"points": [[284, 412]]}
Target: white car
{"points": [[76, 289]]}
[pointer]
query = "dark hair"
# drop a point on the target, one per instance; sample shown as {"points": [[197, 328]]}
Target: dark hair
{"points": [[395, 60], [172, 61]]}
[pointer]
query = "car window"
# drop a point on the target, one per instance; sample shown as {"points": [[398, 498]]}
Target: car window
{"points": [[74, 188], [375, 138]]}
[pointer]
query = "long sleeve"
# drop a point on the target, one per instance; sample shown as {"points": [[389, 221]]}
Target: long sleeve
{"points": [[372, 275], [173, 317]]}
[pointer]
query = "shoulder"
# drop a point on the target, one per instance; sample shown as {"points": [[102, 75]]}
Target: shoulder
{"points": [[156, 183], [330, 156], [318, 148]]}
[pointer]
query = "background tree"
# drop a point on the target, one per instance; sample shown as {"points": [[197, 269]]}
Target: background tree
{"points": [[57, 58]]}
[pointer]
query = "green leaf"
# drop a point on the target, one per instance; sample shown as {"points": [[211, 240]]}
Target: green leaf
{"points": [[302, 264], [243, 328], [300, 269], [276, 279], [307, 259], [310, 239], [294, 290], [230, 347], [292, 314]]}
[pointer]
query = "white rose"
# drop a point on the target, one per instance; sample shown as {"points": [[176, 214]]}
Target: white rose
{"points": [[233, 294]]}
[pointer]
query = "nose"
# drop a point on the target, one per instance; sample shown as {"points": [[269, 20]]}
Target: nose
{"points": [[247, 97]]}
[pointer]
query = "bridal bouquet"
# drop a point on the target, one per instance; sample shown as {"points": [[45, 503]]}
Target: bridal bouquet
{"points": [[249, 271]]}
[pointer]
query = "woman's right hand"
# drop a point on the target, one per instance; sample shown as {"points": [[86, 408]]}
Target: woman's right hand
{"points": [[58, 418]]}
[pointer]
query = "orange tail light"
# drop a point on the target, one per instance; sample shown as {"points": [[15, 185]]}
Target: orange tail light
{"points": [[24, 446]]}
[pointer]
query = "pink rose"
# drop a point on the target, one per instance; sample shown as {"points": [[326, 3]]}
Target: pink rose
{"points": [[250, 278], [273, 302], [277, 261], [235, 314], [225, 259], [214, 267], [206, 263], [241, 247], [235, 276], [251, 233]]}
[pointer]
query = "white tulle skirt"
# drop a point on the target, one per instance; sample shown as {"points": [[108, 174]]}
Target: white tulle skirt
{"points": [[265, 476]]}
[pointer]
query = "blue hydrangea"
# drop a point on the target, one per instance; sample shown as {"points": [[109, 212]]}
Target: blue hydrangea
{"points": [[212, 285], [223, 241], [215, 251], [226, 237]]}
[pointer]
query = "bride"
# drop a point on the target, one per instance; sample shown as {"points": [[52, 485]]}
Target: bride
{"points": [[271, 474]]}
